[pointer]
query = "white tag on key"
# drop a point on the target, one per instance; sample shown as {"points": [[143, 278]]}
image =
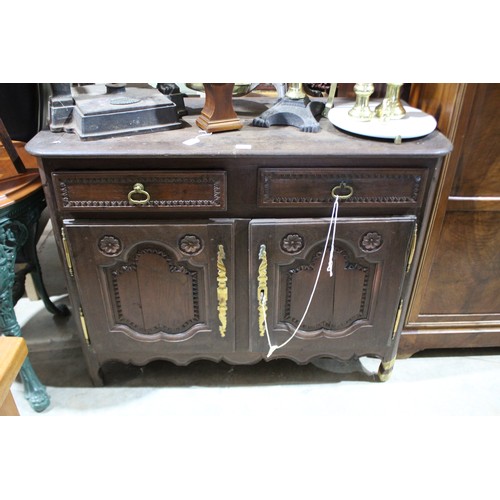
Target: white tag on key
{"points": [[192, 141]]}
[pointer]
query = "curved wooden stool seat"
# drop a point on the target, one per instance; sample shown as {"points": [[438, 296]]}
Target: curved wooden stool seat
{"points": [[16, 189]]}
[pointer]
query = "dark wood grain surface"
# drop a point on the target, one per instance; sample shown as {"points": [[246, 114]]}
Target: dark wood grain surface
{"points": [[145, 279], [250, 141]]}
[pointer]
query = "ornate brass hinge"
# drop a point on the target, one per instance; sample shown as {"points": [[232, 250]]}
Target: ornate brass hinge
{"points": [[222, 293], [84, 327], [69, 264], [413, 247], [398, 320], [262, 290]]}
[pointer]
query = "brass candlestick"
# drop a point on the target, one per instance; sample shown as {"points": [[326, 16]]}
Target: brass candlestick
{"points": [[391, 108], [295, 91], [329, 101], [361, 111]]}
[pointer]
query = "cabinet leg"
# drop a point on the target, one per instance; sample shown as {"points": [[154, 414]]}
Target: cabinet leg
{"points": [[385, 369], [93, 368], [96, 377]]}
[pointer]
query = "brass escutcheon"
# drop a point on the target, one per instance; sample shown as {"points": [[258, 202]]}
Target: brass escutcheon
{"points": [[222, 291], [138, 190], [342, 186]]}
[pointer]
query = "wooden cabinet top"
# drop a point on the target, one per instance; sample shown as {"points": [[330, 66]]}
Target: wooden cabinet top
{"points": [[247, 142]]}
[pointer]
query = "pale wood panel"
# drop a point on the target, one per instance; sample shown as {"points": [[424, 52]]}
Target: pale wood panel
{"points": [[13, 351]]}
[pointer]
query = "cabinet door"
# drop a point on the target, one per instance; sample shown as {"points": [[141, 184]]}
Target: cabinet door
{"points": [[152, 290], [352, 313]]}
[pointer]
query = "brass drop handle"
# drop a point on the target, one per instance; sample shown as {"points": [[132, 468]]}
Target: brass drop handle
{"points": [[342, 187], [138, 191]]}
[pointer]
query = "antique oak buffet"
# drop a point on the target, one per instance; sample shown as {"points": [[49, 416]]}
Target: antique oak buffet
{"points": [[171, 239]]}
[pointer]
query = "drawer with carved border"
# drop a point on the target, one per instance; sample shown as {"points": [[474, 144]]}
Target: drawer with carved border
{"points": [[358, 187], [130, 191]]}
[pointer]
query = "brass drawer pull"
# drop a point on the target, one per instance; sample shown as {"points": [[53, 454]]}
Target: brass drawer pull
{"points": [[138, 190], [342, 187]]}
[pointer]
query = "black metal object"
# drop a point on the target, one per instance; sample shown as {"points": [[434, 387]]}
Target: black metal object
{"points": [[174, 93], [93, 112], [61, 104], [301, 113]]}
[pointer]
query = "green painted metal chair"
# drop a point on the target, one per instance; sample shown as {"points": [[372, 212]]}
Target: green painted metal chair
{"points": [[22, 202]]}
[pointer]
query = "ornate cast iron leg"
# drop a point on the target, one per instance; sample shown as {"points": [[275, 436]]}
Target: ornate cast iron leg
{"points": [[12, 235]]}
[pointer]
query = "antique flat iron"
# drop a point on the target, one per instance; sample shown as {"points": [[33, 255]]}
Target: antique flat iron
{"points": [[100, 111]]}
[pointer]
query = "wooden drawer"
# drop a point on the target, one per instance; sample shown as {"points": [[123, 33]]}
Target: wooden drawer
{"points": [[312, 187], [178, 191]]}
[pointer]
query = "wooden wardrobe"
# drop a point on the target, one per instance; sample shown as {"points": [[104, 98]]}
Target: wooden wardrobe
{"points": [[455, 301]]}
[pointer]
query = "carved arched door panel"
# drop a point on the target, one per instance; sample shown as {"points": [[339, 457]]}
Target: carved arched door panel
{"points": [[353, 311], [155, 289]]}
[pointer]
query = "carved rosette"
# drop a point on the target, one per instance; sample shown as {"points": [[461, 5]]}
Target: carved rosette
{"points": [[292, 243], [110, 246], [371, 242], [190, 244]]}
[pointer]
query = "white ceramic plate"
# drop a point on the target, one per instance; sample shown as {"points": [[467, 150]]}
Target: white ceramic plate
{"points": [[415, 123]]}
